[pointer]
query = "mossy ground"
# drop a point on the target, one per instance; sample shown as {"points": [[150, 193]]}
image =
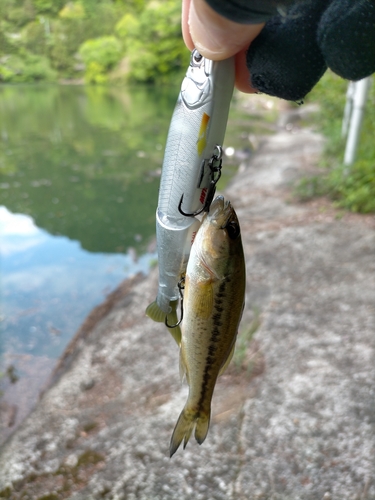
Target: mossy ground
{"points": [[62, 483]]}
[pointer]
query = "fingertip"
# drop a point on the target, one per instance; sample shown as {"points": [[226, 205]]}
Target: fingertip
{"points": [[243, 81], [195, 23], [214, 36], [185, 25]]}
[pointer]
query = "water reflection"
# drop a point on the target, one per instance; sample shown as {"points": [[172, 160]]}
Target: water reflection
{"points": [[85, 162], [79, 176], [50, 284]]}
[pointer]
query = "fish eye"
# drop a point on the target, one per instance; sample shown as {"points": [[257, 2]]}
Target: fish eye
{"points": [[233, 230]]}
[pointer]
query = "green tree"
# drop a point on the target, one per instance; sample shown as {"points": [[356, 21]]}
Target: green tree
{"points": [[100, 55], [153, 41], [50, 7], [147, 40], [28, 68]]}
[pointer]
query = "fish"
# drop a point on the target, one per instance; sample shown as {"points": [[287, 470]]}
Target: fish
{"points": [[213, 302], [188, 178]]}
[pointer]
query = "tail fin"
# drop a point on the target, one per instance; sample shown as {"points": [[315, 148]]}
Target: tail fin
{"points": [[186, 422], [154, 312]]}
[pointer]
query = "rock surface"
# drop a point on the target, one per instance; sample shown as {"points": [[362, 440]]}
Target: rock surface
{"points": [[294, 416]]}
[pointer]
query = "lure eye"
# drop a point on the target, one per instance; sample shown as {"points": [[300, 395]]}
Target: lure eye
{"points": [[196, 58], [233, 230]]}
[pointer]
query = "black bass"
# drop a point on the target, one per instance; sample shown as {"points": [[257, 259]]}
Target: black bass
{"points": [[213, 303]]}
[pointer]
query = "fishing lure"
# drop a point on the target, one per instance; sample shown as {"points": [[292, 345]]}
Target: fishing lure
{"points": [[191, 168]]}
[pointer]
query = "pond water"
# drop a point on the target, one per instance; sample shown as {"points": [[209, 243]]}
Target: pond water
{"points": [[80, 170], [50, 283], [83, 163]]}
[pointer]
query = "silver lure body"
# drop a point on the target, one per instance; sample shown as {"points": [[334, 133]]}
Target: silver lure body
{"points": [[197, 129]]}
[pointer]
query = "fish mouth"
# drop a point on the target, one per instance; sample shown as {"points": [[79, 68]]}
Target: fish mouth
{"points": [[220, 211]]}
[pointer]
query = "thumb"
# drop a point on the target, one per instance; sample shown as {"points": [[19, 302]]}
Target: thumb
{"points": [[214, 36]]}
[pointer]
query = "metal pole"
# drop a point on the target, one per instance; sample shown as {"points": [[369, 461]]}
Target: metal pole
{"points": [[361, 89], [348, 109]]}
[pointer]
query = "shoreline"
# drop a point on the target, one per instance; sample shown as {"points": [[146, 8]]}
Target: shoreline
{"points": [[14, 411], [91, 321]]}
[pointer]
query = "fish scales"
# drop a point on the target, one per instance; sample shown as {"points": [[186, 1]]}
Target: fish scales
{"points": [[213, 303]]}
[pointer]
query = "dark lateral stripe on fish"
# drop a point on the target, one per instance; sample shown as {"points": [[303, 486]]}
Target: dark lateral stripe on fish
{"points": [[217, 322], [215, 337]]}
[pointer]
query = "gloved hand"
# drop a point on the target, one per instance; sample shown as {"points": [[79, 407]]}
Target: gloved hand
{"points": [[300, 39]]}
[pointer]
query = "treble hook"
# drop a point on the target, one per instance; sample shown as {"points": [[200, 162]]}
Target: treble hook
{"points": [[181, 286], [215, 169]]}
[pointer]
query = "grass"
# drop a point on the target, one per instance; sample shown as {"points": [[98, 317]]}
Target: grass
{"points": [[351, 188]]}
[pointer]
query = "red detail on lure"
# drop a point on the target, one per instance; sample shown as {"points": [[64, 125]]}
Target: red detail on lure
{"points": [[193, 237], [203, 195]]}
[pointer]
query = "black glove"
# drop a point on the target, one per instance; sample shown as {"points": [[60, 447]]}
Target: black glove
{"points": [[302, 38]]}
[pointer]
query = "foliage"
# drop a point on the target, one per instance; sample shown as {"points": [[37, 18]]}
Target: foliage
{"points": [[355, 190], [72, 10], [47, 6], [351, 187], [153, 42], [147, 37], [29, 68], [80, 159], [99, 56]]}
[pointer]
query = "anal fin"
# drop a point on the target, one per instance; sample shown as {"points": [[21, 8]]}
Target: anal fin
{"points": [[227, 361]]}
